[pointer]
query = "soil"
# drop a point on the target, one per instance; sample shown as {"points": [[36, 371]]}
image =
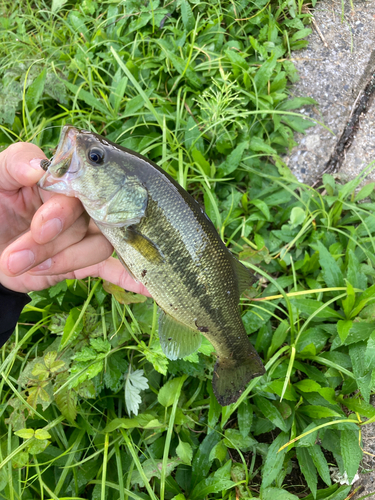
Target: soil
{"points": [[337, 69]]}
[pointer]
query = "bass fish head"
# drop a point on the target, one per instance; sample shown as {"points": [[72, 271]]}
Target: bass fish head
{"points": [[100, 174]]}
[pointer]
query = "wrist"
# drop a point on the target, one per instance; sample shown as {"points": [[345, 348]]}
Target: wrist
{"points": [[11, 305]]}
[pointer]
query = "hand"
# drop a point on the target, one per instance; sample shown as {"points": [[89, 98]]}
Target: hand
{"points": [[46, 237]]}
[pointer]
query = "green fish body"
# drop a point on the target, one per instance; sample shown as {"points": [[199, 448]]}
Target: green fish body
{"points": [[167, 242]]}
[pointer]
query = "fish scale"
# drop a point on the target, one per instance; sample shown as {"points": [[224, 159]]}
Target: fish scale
{"points": [[168, 243]]}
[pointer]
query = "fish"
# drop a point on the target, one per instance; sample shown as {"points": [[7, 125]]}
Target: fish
{"points": [[166, 241]]}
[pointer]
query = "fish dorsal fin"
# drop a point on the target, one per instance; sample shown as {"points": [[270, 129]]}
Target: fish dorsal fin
{"points": [[176, 339], [143, 245], [244, 275]]}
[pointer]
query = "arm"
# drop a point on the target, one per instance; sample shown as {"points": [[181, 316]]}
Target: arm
{"points": [[11, 305]]}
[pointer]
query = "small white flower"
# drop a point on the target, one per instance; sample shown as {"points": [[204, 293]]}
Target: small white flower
{"points": [[337, 477]]}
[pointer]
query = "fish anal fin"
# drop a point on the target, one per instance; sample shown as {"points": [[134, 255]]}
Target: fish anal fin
{"points": [[143, 245], [176, 339], [232, 374], [244, 275]]}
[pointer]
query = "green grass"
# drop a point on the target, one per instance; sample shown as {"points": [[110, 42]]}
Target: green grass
{"points": [[90, 407]]}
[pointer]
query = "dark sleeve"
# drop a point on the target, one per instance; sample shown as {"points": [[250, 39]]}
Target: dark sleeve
{"points": [[11, 305]]}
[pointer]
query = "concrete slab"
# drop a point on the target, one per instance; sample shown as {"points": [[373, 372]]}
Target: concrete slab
{"points": [[362, 150], [334, 69]]}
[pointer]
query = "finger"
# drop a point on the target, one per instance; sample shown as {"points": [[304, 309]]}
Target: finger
{"points": [[20, 166], [28, 282], [54, 217], [112, 270], [81, 259], [107, 268], [25, 253], [92, 250]]}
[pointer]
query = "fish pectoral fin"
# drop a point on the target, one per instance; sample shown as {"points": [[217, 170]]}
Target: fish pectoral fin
{"points": [[126, 267], [176, 339], [143, 245], [244, 275]]}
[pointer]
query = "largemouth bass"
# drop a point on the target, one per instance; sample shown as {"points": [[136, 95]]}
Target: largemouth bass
{"points": [[167, 242]]}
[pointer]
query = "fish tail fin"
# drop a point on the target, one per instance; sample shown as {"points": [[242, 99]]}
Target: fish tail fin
{"points": [[232, 374]]}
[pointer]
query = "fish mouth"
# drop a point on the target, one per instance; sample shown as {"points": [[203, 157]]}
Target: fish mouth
{"points": [[64, 165]]}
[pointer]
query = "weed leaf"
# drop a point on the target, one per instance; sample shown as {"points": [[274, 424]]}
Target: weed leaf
{"points": [[277, 494], [184, 452], [264, 72], [245, 417], [365, 191], [134, 384], [351, 453], [209, 486], [167, 392], [270, 412], [308, 469], [274, 460], [320, 463], [331, 272], [66, 401], [88, 98], [35, 91], [187, 15]]}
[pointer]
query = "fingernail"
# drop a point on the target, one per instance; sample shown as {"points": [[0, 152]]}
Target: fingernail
{"points": [[43, 266], [35, 163], [50, 230], [19, 262]]}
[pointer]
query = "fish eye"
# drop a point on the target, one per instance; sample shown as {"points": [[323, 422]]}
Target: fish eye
{"points": [[95, 155]]}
